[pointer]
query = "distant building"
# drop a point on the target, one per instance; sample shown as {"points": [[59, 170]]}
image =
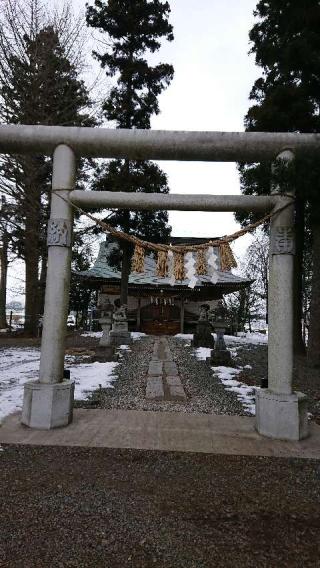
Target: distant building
{"points": [[154, 305]]}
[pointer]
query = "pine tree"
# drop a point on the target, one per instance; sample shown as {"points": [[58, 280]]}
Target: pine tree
{"points": [[286, 43], [134, 29], [39, 84]]}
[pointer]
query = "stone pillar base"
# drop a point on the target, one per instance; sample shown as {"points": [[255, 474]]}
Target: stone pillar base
{"points": [[47, 406], [118, 337], [282, 416], [104, 354]]}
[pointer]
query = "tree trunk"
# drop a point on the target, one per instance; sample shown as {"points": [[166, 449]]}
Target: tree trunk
{"points": [[3, 283], [314, 330], [32, 268], [125, 272], [42, 281], [299, 346], [32, 292], [125, 247]]}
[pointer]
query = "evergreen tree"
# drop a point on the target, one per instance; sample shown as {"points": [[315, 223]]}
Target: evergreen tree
{"points": [[39, 84], [133, 29], [286, 43]]}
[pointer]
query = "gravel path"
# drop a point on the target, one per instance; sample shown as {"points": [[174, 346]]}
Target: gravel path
{"points": [[78, 507], [205, 393]]}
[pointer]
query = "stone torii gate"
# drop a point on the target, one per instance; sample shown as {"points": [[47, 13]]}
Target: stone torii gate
{"points": [[48, 402]]}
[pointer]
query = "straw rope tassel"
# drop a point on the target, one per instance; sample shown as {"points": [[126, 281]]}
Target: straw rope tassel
{"points": [[138, 259], [201, 263], [226, 257], [162, 264], [178, 266]]}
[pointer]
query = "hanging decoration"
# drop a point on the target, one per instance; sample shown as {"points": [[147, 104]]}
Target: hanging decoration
{"points": [[172, 279], [177, 262], [178, 266], [162, 264], [201, 264], [227, 259], [137, 264], [190, 267], [212, 265]]}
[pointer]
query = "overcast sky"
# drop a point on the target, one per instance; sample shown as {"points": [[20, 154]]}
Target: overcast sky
{"points": [[210, 89]]}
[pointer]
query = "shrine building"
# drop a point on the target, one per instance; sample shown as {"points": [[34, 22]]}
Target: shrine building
{"points": [[155, 305]]}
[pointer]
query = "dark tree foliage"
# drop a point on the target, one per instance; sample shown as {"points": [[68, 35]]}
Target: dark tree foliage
{"points": [[134, 29], [286, 98], [80, 293], [39, 84]]}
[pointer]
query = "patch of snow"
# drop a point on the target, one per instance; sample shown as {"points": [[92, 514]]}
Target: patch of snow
{"points": [[89, 377], [186, 336], [249, 338], [136, 335], [124, 347], [97, 334], [245, 394], [17, 366], [247, 367], [202, 353]]}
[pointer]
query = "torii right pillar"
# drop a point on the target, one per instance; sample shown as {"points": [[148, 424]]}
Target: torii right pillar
{"points": [[280, 412]]}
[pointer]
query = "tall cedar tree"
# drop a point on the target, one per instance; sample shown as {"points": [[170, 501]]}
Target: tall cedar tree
{"points": [[38, 85], [286, 43], [133, 29]]}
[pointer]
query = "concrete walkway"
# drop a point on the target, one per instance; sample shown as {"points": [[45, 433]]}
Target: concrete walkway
{"points": [[163, 381], [169, 431]]}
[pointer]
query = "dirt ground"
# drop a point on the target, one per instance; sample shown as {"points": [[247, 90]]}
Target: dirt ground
{"points": [[110, 508]]}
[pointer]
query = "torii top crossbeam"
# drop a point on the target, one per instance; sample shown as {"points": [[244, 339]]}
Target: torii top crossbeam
{"points": [[156, 144]]}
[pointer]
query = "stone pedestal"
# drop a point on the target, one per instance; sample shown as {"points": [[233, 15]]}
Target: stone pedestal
{"points": [[105, 323], [281, 416], [105, 350], [47, 406], [104, 353], [203, 336], [220, 356], [119, 335]]}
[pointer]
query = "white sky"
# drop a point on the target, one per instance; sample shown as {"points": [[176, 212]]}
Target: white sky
{"points": [[212, 81], [210, 89]]}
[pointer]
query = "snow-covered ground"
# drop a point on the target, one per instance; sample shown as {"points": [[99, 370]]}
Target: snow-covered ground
{"points": [[136, 335], [17, 366], [227, 375], [245, 394], [249, 338]]}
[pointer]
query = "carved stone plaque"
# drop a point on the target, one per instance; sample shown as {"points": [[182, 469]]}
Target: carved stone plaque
{"points": [[283, 241], [59, 233]]}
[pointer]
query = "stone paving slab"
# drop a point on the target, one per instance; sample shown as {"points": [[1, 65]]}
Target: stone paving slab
{"points": [[173, 380], [169, 431], [154, 389], [162, 367], [170, 368], [176, 392], [155, 368]]}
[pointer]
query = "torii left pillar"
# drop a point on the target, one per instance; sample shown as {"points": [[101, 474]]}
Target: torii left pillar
{"points": [[48, 402]]}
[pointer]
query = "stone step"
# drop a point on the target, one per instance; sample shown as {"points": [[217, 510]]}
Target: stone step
{"points": [[175, 388], [154, 389], [177, 393], [170, 368], [155, 368]]}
